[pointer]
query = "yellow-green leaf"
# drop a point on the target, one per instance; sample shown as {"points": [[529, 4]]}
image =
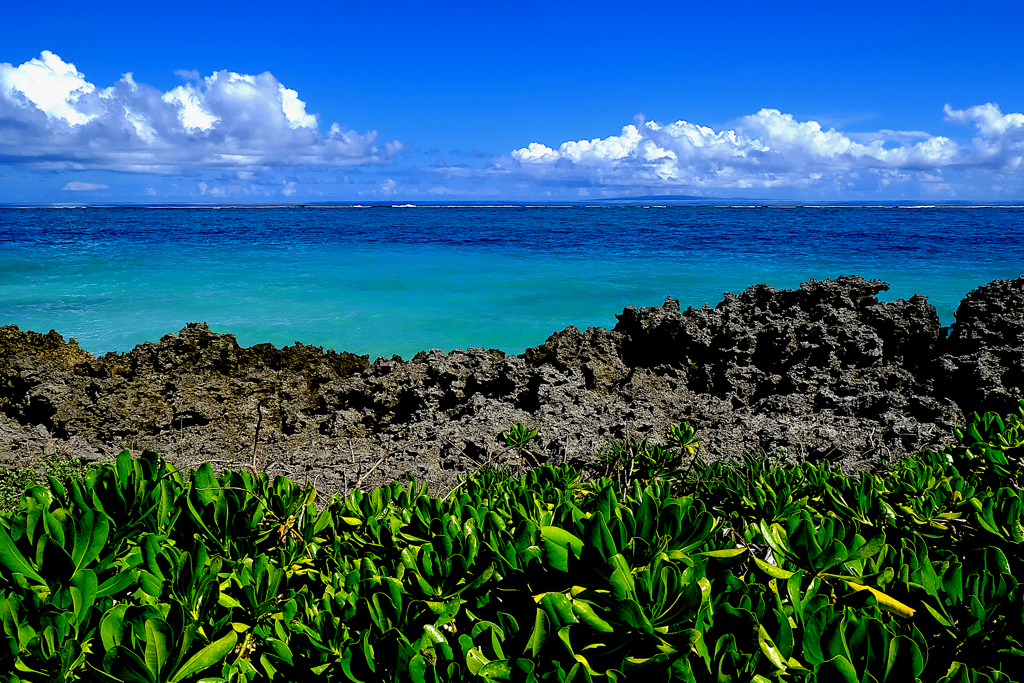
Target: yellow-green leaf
{"points": [[885, 602]]}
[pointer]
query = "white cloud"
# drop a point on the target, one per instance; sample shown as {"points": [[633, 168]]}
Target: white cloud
{"points": [[76, 186], [51, 117], [51, 85], [1001, 143], [770, 150], [295, 109], [193, 116]]}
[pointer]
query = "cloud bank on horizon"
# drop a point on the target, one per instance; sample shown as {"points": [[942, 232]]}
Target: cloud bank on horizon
{"points": [[52, 119], [772, 150]]}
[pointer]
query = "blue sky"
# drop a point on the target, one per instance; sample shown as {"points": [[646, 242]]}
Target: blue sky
{"points": [[264, 102]]}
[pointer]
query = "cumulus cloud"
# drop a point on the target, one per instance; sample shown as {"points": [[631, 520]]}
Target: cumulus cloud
{"points": [[770, 149], [51, 117], [1000, 145], [77, 186]]}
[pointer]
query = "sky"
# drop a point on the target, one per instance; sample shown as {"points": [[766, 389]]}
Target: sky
{"points": [[526, 101]]}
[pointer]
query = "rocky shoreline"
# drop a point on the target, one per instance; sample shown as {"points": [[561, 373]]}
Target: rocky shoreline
{"points": [[822, 372]]}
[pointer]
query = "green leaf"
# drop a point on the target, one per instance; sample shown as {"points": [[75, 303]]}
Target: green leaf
{"points": [[124, 468], [268, 666], [539, 634], [150, 584], [631, 613], [32, 519], [12, 558], [598, 537], [225, 600], [157, 635], [112, 626], [57, 487], [117, 583], [207, 657], [83, 537], [124, 665], [682, 671], [770, 650], [83, 592], [54, 529], [836, 553], [910, 664], [938, 616], [774, 536], [556, 546], [417, 669], [475, 661], [995, 556], [728, 552], [150, 551], [495, 671], [869, 549], [891, 655], [480, 579], [559, 609], [586, 614], [839, 669], [771, 569], [621, 582], [197, 518], [814, 630], [647, 517], [322, 521], [796, 597]]}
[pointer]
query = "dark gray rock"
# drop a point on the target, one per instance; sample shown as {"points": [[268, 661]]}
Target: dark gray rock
{"points": [[825, 371], [983, 363]]}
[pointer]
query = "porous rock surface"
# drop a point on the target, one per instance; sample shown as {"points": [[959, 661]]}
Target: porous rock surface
{"points": [[825, 371], [983, 361]]}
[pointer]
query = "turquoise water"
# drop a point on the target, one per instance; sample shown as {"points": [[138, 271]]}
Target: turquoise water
{"points": [[384, 280]]}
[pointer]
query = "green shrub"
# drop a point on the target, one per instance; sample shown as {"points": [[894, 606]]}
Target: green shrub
{"points": [[136, 572], [13, 482], [639, 460]]}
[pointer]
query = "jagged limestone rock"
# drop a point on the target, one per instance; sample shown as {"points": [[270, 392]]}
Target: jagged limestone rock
{"points": [[824, 371]]}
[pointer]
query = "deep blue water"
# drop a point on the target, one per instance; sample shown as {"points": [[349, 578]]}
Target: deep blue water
{"points": [[383, 280]]}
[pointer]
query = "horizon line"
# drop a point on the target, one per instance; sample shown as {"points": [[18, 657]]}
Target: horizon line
{"points": [[648, 202]]}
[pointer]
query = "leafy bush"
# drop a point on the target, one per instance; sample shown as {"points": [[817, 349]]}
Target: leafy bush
{"points": [[13, 483], [58, 465], [137, 572], [632, 460]]}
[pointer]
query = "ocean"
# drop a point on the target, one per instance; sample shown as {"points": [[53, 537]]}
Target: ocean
{"points": [[388, 280]]}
